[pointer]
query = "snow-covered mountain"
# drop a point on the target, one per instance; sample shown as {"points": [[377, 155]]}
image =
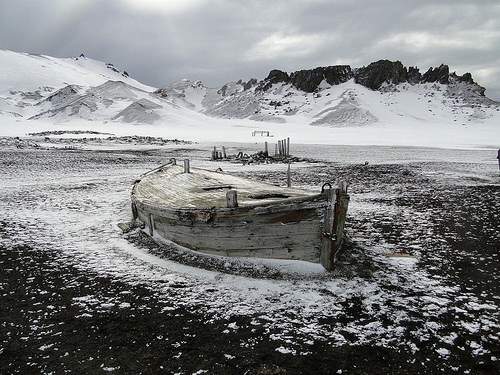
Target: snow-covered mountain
{"points": [[384, 93], [43, 87], [339, 96]]}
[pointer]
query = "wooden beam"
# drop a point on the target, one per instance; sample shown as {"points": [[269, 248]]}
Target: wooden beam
{"points": [[341, 206], [232, 199], [288, 146], [288, 177], [224, 152], [186, 166], [326, 257], [266, 152]]}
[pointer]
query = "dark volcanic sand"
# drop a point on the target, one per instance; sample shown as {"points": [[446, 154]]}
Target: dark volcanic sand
{"points": [[68, 306]]}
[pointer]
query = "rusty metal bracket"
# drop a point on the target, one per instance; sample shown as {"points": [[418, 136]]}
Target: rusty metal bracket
{"points": [[324, 185]]}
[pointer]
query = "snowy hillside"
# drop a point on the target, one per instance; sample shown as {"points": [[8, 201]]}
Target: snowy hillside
{"points": [[61, 90], [382, 103]]}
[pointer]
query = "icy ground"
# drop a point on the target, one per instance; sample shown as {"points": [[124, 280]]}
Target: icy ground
{"points": [[77, 296]]}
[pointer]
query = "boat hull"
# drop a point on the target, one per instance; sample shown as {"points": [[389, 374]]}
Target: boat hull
{"points": [[290, 229]]}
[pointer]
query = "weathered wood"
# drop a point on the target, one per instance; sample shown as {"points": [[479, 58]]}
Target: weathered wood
{"points": [[327, 246], [224, 152], [275, 149], [284, 223], [341, 206], [299, 240], [232, 199], [266, 152], [150, 224], [288, 146], [134, 211], [186, 166], [288, 177]]}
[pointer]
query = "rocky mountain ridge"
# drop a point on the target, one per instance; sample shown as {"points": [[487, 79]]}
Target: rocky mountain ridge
{"points": [[372, 76], [335, 96]]}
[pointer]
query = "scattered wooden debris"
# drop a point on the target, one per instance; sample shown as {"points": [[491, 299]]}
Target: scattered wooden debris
{"points": [[262, 133], [281, 155]]}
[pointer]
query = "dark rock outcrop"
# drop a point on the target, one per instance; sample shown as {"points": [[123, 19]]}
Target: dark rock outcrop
{"points": [[372, 76], [467, 77], [162, 93], [248, 85], [440, 74], [309, 80], [276, 76], [414, 75], [377, 73]]}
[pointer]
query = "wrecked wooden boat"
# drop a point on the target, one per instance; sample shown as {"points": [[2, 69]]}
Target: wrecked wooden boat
{"points": [[217, 213]]}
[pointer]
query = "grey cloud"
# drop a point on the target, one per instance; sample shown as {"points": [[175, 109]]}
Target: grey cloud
{"points": [[222, 40]]}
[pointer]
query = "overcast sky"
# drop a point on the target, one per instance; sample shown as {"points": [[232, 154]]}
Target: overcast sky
{"points": [[158, 41]]}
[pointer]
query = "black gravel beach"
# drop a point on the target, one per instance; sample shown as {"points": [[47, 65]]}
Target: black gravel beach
{"points": [[417, 290]]}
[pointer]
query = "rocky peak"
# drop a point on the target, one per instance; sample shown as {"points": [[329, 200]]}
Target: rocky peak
{"points": [[467, 77], [372, 76], [309, 80], [379, 72], [276, 76], [251, 83], [414, 75], [440, 74]]}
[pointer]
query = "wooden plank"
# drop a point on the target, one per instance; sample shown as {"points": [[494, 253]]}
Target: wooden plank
{"points": [[327, 246], [232, 199], [288, 177], [341, 206]]}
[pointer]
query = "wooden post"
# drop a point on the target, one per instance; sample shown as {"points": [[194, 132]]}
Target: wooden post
{"points": [[186, 166], [214, 153], [288, 177], [335, 217], [326, 255], [224, 152], [232, 198], [275, 149], [340, 218], [288, 146], [266, 152]]}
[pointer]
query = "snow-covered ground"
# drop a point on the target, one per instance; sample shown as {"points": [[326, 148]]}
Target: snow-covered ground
{"points": [[224, 130]]}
